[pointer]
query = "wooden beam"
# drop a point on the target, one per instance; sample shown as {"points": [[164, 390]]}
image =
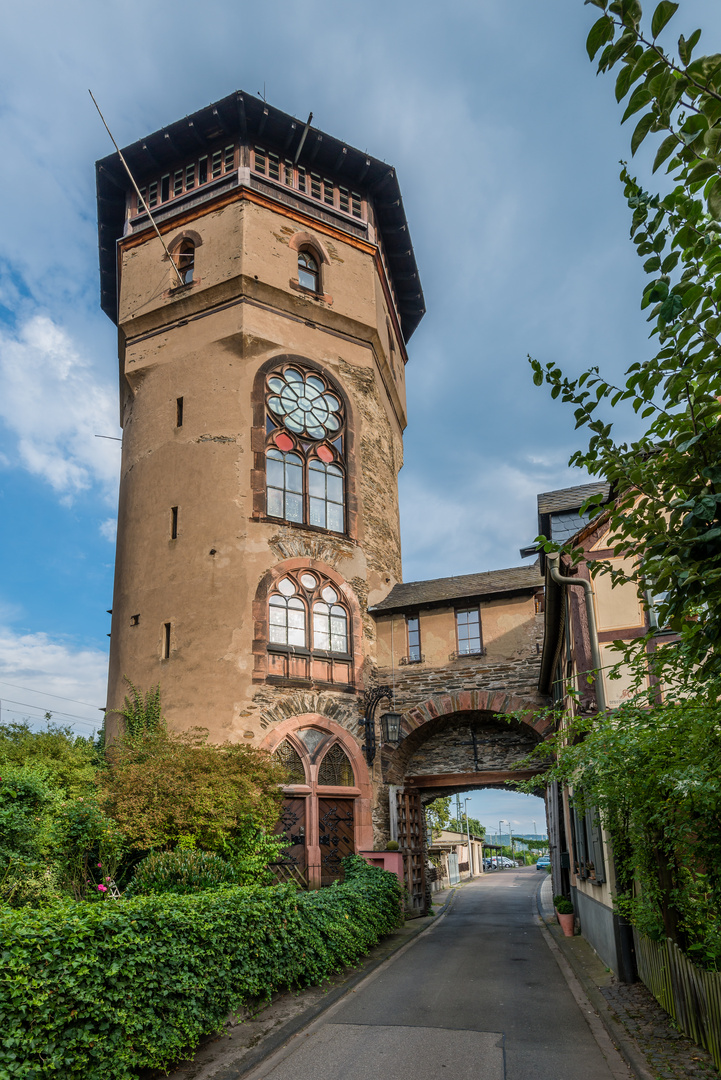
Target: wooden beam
{"points": [[490, 778]]}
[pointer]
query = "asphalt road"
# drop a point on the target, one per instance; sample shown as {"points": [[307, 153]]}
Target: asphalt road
{"points": [[479, 996]]}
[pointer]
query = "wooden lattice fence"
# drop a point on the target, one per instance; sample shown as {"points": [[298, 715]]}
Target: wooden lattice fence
{"points": [[689, 994]]}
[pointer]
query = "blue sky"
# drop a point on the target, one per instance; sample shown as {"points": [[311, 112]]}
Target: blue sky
{"points": [[507, 150]]}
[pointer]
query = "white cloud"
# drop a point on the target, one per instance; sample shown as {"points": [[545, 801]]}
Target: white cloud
{"points": [[53, 404], [109, 529], [479, 524], [39, 673]]}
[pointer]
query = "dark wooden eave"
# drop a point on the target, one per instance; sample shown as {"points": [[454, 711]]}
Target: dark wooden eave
{"points": [[246, 117]]}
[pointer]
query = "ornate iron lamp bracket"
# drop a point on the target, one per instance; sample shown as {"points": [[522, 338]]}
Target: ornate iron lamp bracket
{"points": [[371, 698]]}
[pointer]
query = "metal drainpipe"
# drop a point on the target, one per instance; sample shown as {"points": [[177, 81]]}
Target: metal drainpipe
{"points": [[556, 575]]}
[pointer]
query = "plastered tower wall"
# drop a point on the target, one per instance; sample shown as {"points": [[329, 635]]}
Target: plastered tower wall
{"points": [[197, 551]]}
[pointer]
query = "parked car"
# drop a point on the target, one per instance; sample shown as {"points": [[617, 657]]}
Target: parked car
{"points": [[543, 862]]}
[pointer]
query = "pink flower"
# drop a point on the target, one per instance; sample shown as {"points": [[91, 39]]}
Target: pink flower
{"points": [[102, 888]]}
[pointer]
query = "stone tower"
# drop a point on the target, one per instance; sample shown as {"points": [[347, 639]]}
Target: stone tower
{"points": [[262, 401]]}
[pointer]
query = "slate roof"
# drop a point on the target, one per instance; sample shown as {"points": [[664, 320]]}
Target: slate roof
{"points": [[437, 591], [246, 117], [549, 502]]}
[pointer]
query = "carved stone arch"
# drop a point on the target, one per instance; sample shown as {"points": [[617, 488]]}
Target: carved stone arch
{"points": [[184, 234], [530, 712], [257, 479], [361, 793], [302, 240], [260, 613]]}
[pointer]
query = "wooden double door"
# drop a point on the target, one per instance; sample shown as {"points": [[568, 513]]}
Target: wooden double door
{"points": [[320, 832]]}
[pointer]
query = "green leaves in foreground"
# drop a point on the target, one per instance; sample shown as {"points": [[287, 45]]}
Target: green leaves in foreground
{"points": [[92, 990], [666, 509]]}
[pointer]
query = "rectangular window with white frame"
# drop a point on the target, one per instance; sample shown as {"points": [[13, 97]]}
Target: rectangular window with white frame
{"points": [[468, 632]]}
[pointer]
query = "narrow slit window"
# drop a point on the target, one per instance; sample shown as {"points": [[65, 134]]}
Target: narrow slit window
{"points": [[166, 641], [179, 412], [173, 523], [414, 639]]}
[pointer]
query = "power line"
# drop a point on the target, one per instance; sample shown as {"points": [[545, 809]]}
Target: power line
{"points": [[40, 708], [45, 693]]}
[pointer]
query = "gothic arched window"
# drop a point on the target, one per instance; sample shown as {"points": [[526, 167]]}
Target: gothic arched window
{"points": [[335, 768], [308, 272], [305, 467], [289, 756]]}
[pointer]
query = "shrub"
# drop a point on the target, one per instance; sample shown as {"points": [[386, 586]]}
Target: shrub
{"points": [[87, 847], [183, 871], [162, 786], [69, 762], [134, 984]]}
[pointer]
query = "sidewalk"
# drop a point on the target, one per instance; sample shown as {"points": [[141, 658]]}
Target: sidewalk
{"points": [[643, 1032], [256, 1032]]}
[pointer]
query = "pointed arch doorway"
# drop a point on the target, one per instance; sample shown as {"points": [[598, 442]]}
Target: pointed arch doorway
{"points": [[327, 806]]}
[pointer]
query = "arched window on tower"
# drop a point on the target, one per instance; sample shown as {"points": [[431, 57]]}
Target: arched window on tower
{"points": [[308, 272], [309, 631], [305, 464], [184, 257]]}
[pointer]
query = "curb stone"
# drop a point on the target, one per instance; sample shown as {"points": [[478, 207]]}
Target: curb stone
{"points": [[625, 1044], [274, 1039]]}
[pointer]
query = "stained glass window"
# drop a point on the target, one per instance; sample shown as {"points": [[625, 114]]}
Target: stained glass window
{"points": [[335, 769], [290, 757], [305, 474], [304, 404]]}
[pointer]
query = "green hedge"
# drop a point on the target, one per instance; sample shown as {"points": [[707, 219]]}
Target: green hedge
{"points": [[93, 990]]}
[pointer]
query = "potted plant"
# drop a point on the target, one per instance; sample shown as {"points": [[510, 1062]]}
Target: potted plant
{"points": [[564, 914]]}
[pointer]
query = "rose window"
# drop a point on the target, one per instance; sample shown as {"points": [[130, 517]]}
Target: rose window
{"points": [[304, 404]]}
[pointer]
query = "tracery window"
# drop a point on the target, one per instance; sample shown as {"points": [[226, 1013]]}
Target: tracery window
{"points": [[289, 756], [305, 432], [309, 630], [335, 768]]}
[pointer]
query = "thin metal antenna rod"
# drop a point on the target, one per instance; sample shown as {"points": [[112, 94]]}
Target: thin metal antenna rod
{"points": [[137, 191]]}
